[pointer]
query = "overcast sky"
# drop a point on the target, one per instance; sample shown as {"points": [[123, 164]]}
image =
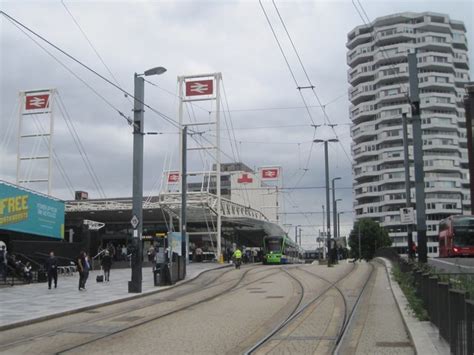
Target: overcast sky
{"points": [[194, 37]]}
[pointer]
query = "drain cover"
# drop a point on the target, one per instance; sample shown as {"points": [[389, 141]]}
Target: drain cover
{"points": [[275, 297]]}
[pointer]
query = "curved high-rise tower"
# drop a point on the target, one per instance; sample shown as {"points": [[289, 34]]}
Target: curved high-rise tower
{"points": [[378, 78]]}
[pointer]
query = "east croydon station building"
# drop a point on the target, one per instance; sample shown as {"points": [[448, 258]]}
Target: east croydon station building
{"points": [[379, 85]]}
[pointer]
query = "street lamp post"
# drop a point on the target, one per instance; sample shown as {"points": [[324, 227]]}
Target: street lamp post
{"points": [[328, 214], [324, 231], [135, 285], [336, 226], [334, 212], [339, 224]]}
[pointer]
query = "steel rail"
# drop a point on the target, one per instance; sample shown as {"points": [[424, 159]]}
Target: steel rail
{"points": [[144, 305], [174, 311], [296, 313]]}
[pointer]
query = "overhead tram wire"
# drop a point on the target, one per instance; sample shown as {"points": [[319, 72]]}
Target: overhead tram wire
{"points": [[173, 94], [367, 22], [75, 75], [9, 131], [294, 79], [323, 108], [80, 147], [287, 63], [19, 24], [92, 46], [226, 101], [55, 157]]}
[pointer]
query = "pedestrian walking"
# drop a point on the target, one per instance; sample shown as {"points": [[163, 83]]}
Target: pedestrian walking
{"points": [[83, 266], [3, 263], [106, 265], [237, 256], [198, 252], [151, 253], [52, 269], [27, 272]]}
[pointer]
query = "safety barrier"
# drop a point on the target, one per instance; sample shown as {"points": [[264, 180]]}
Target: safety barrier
{"points": [[449, 308]]}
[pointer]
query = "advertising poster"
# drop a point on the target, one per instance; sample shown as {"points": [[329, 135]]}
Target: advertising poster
{"points": [[24, 211]]}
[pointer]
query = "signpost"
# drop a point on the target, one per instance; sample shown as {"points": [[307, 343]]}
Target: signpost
{"points": [[134, 222], [407, 215]]}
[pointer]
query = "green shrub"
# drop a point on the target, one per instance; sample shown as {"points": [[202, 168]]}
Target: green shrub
{"points": [[405, 280]]}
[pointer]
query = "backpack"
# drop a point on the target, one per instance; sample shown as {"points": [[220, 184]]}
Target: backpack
{"points": [[2, 256]]}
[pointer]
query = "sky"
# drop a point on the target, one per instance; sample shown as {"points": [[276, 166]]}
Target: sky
{"points": [[271, 124]]}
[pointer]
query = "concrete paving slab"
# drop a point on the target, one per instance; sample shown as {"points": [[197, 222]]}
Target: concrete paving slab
{"points": [[424, 335], [24, 304]]}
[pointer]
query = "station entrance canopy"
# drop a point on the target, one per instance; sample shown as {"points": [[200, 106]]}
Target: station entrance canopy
{"points": [[201, 214]]}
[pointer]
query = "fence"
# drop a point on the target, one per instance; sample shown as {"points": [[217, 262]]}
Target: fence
{"points": [[445, 299], [448, 306]]}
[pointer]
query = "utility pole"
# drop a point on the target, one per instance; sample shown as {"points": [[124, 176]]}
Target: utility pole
{"points": [[324, 228], [328, 214], [339, 224], [184, 191], [418, 159], [334, 208], [296, 234], [411, 253], [135, 285], [360, 249]]}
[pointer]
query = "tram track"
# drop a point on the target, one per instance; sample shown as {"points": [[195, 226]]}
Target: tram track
{"points": [[154, 299], [233, 288], [300, 310], [231, 285]]}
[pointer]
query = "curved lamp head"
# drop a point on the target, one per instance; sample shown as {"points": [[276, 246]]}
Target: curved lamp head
{"points": [[154, 71], [325, 140]]}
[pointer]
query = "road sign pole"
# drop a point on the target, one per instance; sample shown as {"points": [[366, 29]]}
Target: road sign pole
{"points": [[411, 253], [184, 191], [418, 159], [135, 285], [328, 209]]}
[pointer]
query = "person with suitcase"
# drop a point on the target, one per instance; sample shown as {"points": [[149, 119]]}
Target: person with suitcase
{"points": [[106, 265]]}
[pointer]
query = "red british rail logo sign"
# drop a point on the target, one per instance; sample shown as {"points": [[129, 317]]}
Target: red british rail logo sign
{"points": [[35, 102], [199, 87], [270, 173]]}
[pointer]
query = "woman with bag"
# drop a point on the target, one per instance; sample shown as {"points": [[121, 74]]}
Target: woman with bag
{"points": [[106, 265]]}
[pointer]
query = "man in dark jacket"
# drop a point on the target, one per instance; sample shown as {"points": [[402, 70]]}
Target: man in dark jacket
{"points": [[106, 265], [83, 266], [52, 269]]}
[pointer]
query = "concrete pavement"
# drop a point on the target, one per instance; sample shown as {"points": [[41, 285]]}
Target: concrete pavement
{"points": [[382, 323], [424, 335], [24, 304]]}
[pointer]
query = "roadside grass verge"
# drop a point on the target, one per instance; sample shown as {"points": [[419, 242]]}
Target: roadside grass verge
{"points": [[405, 280]]}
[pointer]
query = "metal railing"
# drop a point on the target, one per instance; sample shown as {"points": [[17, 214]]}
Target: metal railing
{"points": [[448, 306]]}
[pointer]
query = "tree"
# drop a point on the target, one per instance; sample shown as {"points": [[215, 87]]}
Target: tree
{"points": [[372, 237]]}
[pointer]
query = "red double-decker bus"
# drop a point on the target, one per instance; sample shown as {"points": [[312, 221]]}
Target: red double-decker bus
{"points": [[456, 236]]}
